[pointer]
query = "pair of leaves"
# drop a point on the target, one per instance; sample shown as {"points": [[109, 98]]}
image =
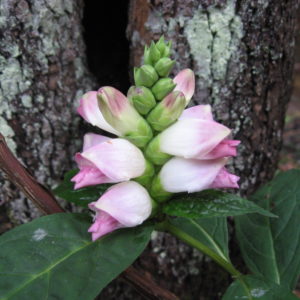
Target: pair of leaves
{"points": [[271, 247], [81, 197], [53, 257]]}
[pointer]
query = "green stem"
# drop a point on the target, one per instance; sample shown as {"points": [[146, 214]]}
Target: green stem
{"points": [[201, 247], [227, 265]]}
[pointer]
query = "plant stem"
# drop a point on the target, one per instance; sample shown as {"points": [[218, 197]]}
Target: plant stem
{"points": [[227, 265]]}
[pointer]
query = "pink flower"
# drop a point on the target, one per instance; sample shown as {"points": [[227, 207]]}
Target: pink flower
{"points": [[192, 138], [185, 83], [191, 175], [225, 148], [126, 204], [106, 160], [90, 112]]}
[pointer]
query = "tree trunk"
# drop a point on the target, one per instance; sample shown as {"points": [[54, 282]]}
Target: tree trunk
{"points": [[43, 72], [242, 53]]}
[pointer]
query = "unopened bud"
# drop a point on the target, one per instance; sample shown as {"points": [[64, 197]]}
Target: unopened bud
{"points": [[164, 47], [145, 76], [142, 99], [154, 154], [121, 115], [164, 66], [167, 111], [162, 88], [154, 53]]}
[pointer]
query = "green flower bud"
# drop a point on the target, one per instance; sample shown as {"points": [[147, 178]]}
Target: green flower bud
{"points": [[142, 99], [164, 66], [146, 178], [162, 88], [145, 76], [163, 47], [157, 191], [154, 53], [142, 135], [167, 111], [147, 58], [154, 154]]}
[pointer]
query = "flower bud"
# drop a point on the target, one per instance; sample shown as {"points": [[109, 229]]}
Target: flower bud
{"points": [[146, 178], [164, 66], [142, 99], [158, 192], [163, 47], [154, 53], [167, 111], [154, 154], [185, 83], [162, 88], [121, 115], [145, 76], [126, 204], [147, 59]]}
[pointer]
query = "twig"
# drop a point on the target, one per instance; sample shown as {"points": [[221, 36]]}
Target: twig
{"points": [[19, 176], [145, 284], [46, 202]]}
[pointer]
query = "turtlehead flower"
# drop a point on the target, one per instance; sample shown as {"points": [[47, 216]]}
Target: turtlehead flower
{"points": [[189, 138], [191, 175], [224, 148], [185, 83], [106, 160], [121, 115], [126, 204], [90, 112]]}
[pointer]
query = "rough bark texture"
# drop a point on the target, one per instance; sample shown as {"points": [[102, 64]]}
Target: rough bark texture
{"points": [[242, 52], [43, 72]]}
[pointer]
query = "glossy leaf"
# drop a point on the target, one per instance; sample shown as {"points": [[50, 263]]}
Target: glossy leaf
{"points": [[257, 288], [271, 247], [53, 257], [80, 197], [212, 232], [211, 203]]}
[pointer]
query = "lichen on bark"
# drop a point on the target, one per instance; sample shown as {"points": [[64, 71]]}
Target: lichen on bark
{"points": [[43, 72]]}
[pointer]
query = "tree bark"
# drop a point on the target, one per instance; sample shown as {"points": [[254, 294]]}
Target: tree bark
{"points": [[43, 73], [242, 52]]}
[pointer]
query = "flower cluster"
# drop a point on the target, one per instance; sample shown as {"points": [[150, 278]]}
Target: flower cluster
{"points": [[161, 148]]}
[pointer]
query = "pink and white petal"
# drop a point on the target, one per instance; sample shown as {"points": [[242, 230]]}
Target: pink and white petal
{"points": [[223, 149], [88, 176], [185, 83], [225, 180], [90, 112], [118, 159], [189, 175], [201, 112], [92, 139], [191, 138], [127, 202], [103, 224]]}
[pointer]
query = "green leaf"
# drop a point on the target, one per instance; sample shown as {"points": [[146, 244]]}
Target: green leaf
{"points": [[81, 197], [271, 247], [211, 203], [212, 232], [252, 287], [53, 257]]}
